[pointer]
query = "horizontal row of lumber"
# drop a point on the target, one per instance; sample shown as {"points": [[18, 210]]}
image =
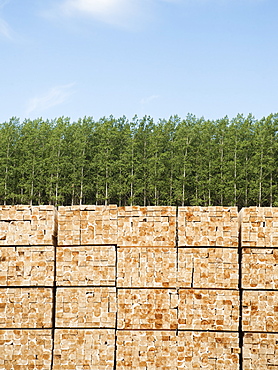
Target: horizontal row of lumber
{"points": [[139, 226], [137, 267], [100, 349], [196, 309]]}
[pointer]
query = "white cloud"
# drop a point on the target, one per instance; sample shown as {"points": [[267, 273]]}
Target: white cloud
{"points": [[117, 12], [55, 96], [5, 29], [149, 99]]}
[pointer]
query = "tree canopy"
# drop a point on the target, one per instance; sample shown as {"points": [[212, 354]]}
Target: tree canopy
{"points": [[191, 161]]}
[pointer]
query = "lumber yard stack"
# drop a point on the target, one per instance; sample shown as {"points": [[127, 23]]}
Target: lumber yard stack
{"points": [[259, 248], [27, 266], [109, 287]]}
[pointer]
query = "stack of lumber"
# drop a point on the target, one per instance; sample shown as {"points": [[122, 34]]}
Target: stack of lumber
{"points": [[208, 268], [260, 351], [208, 226], [147, 309], [259, 241], [84, 349], [27, 225], [26, 266], [146, 267], [169, 350], [25, 308], [84, 225], [204, 309], [86, 307], [259, 227], [25, 349], [146, 226], [86, 265]]}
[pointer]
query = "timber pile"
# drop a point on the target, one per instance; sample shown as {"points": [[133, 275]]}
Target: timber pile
{"points": [[146, 267], [25, 349], [27, 225], [146, 226], [208, 268], [260, 351], [86, 265], [26, 307], [259, 311], [169, 350], [260, 268], [203, 309], [84, 349], [259, 227], [208, 226], [84, 225], [27, 266], [147, 309], [86, 307]]}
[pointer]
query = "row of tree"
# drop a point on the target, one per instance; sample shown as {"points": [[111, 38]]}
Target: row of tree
{"points": [[189, 161]]}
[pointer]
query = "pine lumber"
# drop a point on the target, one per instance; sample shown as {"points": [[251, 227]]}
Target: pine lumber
{"points": [[25, 349], [260, 351], [86, 265], [169, 350], [27, 266], [259, 311], [147, 309], [208, 226], [146, 267], [84, 349], [86, 307], [208, 268], [259, 227], [26, 307], [202, 309], [28, 225]]}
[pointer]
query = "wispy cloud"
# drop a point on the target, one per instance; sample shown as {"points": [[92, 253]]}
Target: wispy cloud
{"points": [[55, 96], [5, 29], [149, 99]]}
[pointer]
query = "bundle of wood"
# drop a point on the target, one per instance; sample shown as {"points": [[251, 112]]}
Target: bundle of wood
{"points": [[25, 349], [208, 268], [204, 309], [26, 307], [260, 351], [30, 266], [169, 350], [27, 225], [260, 268], [86, 307], [146, 226], [84, 349], [208, 226], [86, 265], [259, 311], [259, 227], [147, 309], [83, 225], [146, 267]]}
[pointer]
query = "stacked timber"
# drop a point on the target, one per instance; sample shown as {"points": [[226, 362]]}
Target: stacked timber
{"points": [[259, 240], [146, 226], [27, 225], [84, 225], [208, 226], [86, 307], [25, 349], [86, 265], [84, 349], [169, 350], [260, 351]]}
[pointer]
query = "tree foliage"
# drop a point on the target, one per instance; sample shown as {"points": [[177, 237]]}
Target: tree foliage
{"points": [[189, 161]]}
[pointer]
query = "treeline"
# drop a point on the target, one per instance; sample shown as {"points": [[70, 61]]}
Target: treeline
{"points": [[189, 161]]}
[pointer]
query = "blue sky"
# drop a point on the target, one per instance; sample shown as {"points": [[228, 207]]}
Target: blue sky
{"points": [[79, 58]]}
